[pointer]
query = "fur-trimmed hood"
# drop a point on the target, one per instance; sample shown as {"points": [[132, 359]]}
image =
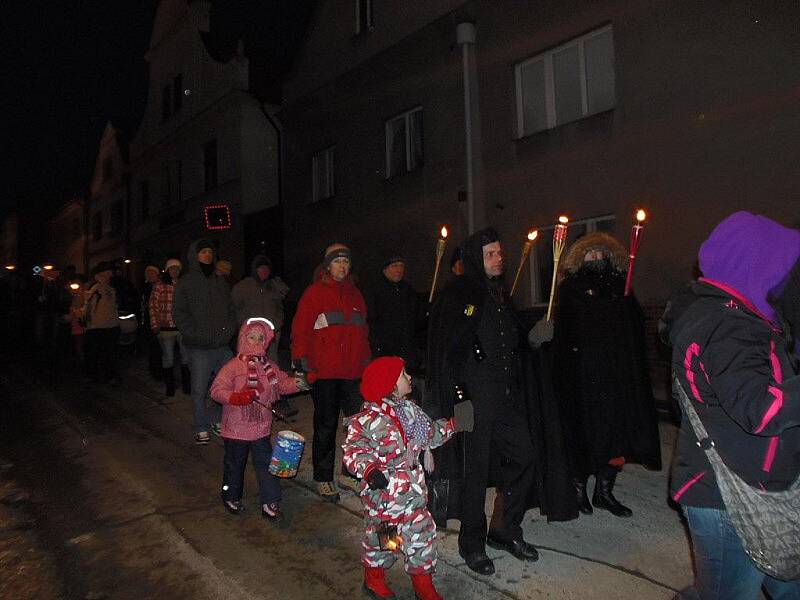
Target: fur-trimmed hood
{"points": [[611, 247]]}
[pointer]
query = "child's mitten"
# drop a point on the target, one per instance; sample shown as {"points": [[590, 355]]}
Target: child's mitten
{"points": [[464, 415], [243, 397], [376, 480]]}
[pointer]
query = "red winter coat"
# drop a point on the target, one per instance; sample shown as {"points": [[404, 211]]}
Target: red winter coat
{"points": [[329, 331]]}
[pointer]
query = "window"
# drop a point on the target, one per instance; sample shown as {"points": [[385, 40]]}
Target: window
{"points": [[144, 198], [108, 169], [404, 150], [364, 16], [116, 219], [166, 102], [541, 265], [323, 181], [97, 226], [177, 93], [210, 165], [567, 83]]}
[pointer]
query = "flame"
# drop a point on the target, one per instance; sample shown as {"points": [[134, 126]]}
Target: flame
{"points": [[127, 261], [640, 215], [74, 286], [533, 234], [443, 232], [48, 267], [563, 219], [10, 267]]}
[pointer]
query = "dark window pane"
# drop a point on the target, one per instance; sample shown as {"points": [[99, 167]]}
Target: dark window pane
{"points": [[566, 76], [177, 93], [599, 59], [416, 132], [396, 145], [534, 106]]}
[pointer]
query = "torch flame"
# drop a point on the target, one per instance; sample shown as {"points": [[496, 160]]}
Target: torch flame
{"points": [[563, 219], [74, 286], [532, 235], [640, 215], [10, 267], [48, 267], [443, 231]]}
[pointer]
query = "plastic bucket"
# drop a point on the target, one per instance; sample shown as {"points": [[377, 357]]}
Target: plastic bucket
{"points": [[286, 454]]}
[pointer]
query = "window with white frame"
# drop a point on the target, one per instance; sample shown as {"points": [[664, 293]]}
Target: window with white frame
{"points": [[541, 260], [364, 16], [323, 181], [404, 148], [567, 83]]}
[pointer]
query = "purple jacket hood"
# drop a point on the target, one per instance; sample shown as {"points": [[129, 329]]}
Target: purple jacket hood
{"points": [[752, 254]]}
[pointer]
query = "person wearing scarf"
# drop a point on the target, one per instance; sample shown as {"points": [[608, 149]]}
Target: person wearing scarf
{"points": [[247, 387], [383, 448]]}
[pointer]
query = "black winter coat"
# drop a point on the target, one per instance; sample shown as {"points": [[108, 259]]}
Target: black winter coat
{"points": [[394, 319], [743, 381], [600, 375]]}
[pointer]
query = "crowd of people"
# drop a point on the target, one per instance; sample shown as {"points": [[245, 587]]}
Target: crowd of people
{"points": [[445, 400]]}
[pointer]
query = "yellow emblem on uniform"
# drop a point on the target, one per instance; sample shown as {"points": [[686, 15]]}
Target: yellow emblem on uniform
{"points": [[469, 310]]}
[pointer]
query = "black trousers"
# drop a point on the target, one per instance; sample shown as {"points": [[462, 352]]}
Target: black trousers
{"points": [[101, 349], [234, 463], [500, 438], [330, 397]]}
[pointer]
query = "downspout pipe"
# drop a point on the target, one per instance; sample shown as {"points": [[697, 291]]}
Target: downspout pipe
{"points": [[465, 36], [279, 147]]}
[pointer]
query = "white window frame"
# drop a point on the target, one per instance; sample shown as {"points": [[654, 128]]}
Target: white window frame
{"points": [[370, 15], [328, 156], [546, 237], [406, 116], [549, 81]]}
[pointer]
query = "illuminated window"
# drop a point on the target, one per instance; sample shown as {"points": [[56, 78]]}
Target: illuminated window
{"points": [[404, 147]]}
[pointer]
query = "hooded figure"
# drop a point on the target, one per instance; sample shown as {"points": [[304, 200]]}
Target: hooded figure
{"points": [[474, 350], [600, 373], [261, 294], [734, 363], [247, 387], [203, 312]]}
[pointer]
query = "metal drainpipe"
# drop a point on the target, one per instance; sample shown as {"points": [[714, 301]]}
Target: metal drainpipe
{"points": [[279, 148], [465, 36]]}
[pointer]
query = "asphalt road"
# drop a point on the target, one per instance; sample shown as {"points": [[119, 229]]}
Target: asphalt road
{"points": [[103, 494]]}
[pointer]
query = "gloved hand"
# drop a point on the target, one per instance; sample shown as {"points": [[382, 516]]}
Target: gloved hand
{"points": [[243, 397], [464, 416], [302, 381], [377, 480], [540, 333]]}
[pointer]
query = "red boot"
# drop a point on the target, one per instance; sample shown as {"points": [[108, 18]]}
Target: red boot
{"points": [[423, 587], [375, 584]]}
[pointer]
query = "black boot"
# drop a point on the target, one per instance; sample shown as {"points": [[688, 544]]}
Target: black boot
{"points": [[186, 380], [584, 506], [603, 496], [169, 381]]}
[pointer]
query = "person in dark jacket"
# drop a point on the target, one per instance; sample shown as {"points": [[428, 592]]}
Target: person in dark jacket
{"points": [[152, 276], [330, 343], [204, 314], [394, 316], [473, 343], [600, 373], [731, 357]]}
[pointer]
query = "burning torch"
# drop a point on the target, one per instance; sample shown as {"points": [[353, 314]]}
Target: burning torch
{"points": [[559, 241], [526, 250], [440, 244], [636, 238]]}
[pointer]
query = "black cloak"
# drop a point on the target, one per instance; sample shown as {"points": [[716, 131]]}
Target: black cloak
{"points": [[454, 320]]}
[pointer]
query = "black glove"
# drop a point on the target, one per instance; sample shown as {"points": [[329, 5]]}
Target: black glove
{"points": [[377, 480]]}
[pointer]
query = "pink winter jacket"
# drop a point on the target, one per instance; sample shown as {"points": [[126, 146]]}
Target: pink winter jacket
{"points": [[252, 421]]}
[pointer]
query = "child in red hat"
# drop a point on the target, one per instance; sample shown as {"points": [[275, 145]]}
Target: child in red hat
{"points": [[383, 447]]}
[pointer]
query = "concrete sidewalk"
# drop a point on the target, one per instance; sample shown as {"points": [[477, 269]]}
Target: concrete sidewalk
{"points": [[599, 556]]}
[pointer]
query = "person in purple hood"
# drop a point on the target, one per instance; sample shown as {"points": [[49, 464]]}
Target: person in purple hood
{"points": [[735, 362]]}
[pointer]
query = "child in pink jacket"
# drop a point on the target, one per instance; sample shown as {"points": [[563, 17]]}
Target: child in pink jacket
{"points": [[247, 387]]}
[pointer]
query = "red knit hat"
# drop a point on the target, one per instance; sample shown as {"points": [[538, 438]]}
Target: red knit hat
{"points": [[380, 377]]}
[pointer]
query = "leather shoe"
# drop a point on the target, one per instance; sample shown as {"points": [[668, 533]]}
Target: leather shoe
{"points": [[478, 562], [519, 549]]}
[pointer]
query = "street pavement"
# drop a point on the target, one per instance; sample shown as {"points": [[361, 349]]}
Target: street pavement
{"points": [[103, 494]]}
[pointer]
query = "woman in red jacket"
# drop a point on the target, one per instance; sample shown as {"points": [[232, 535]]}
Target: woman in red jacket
{"points": [[330, 343]]}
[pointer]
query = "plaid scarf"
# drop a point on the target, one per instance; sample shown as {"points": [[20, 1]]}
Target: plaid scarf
{"points": [[417, 426], [254, 412]]}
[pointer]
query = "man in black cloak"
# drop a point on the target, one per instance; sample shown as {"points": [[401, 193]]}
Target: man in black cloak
{"points": [[474, 350]]}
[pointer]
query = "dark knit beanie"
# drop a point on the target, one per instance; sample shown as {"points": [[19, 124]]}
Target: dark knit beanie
{"points": [[393, 258], [380, 377], [203, 244], [334, 254]]}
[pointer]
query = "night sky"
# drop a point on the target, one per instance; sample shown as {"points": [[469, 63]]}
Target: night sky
{"points": [[67, 67]]}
